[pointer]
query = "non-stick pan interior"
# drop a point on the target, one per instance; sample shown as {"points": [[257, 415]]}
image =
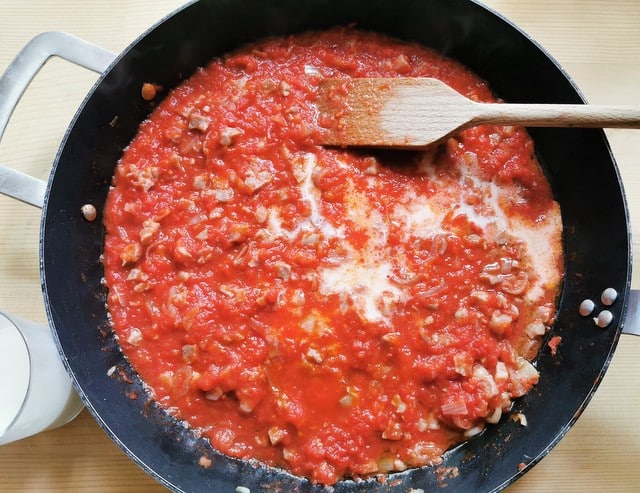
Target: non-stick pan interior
{"points": [[578, 162]]}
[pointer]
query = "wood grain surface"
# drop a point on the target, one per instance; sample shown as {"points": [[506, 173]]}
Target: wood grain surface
{"points": [[596, 41]]}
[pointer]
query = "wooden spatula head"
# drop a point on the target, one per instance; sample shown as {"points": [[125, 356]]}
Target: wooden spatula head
{"points": [[420, 112], [383, 112]]}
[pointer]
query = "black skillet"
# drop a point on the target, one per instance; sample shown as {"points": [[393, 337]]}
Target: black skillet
{"points": [[579, 165]]}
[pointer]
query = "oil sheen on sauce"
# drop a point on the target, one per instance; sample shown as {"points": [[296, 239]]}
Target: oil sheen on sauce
{"points": [[333, 312]]}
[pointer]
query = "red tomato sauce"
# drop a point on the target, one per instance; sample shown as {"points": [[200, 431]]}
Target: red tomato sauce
{"points": [[336, 313]]}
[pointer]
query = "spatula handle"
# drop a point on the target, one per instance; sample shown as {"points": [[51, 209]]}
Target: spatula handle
{"points": [[558, 115]]}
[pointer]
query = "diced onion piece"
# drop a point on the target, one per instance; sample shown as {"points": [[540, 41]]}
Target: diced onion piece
{"points": [[495, 416], [471, 432], [501, 371], [536, 329], [256, 179], [525, 376], [135, 337], [544, 312], [398, 403], [189, 352], [346, 400], [311, 70], [214, 394], [393, 431], [515, 285], [385, 464], [489, 386], [521, 418], [430, 422], [148, 231], [457, 406], [492, 268], [131, 253], [245, 407], [314, 355], [462, 363], [199, 122], [507, 265], [276, 435], [308, 324], [500, 322], [227, 135], [423, 452]]}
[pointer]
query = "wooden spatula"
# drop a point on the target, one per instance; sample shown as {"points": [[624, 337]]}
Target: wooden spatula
{"points": [[419, 112]]}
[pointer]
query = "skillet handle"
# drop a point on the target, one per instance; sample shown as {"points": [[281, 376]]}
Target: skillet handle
{"points": [[19, 75], [632, 320]]}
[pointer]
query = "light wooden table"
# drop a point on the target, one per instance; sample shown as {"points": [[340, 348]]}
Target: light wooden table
{"points": [[597, 42]]}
